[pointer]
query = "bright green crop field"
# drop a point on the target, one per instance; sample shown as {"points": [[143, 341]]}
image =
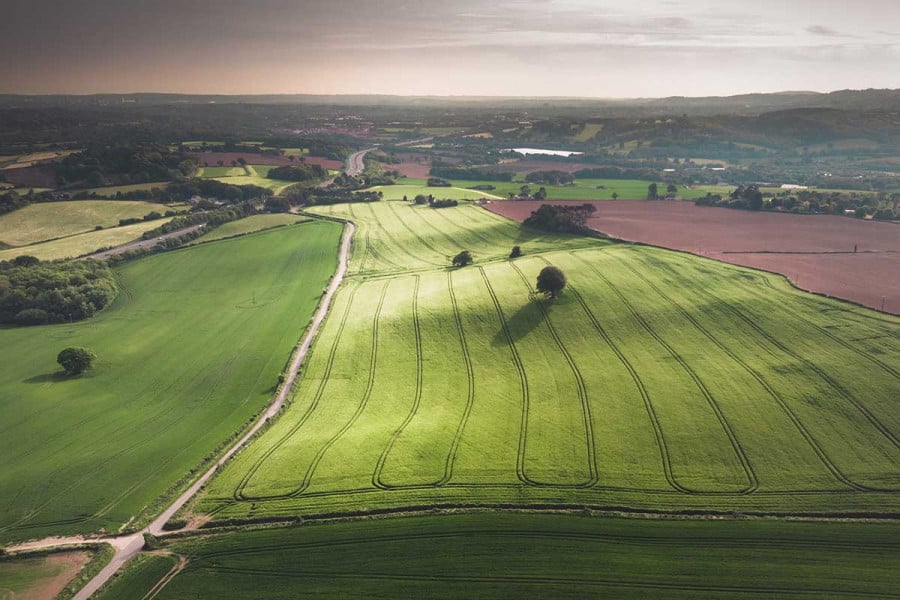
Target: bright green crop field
{"points": [[249, 225], [658, 381], [528, 556], [582, 189], [83, 243], [190, 350], [51, 220]]}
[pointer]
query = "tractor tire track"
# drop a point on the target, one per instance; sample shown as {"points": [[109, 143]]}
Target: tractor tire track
{"points": [[752, 480], [587, 417], [782, 403]]}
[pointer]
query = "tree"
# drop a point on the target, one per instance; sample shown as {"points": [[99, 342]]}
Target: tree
{"points": [[462, 259], [671, 190], [551, 281], [76, 360], [516, 252], [652, 193], [615, 196]]}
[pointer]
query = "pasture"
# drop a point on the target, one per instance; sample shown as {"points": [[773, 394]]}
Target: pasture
{"points": [[581, 189], [42, 576], [190, 350], [83, 243], [657, 381], [50, 220], [492, 555], [249, 225]]}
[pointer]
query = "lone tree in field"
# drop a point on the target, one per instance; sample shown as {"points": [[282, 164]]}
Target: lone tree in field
{"points": [[551, 281], [76, 360], [652, 192], [516, 252], [462, 259]]}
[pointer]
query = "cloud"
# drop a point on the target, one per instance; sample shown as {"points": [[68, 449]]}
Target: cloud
{"points": [[824, 31]]}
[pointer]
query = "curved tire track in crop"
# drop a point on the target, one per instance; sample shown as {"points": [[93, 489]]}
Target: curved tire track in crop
{"points": [[417, 396], [239, 490], [586, 415], [752, 480], [807, 436]]}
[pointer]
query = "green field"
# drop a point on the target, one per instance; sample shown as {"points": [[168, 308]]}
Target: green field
{"points": [[582, 189], [33, 576], [213, 172], [249, 225], [83, 243], [50, 220], [657, 381], [493, 555], [276, 185], [190, 350], [112, 190]]}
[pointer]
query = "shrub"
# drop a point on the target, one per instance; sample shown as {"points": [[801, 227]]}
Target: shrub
{"points": [[76, 360], [516, 252], [462, 259]]}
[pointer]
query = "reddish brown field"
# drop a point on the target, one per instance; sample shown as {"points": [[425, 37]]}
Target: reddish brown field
{"points": [[213, 158], [38, 176], [816, 252]]}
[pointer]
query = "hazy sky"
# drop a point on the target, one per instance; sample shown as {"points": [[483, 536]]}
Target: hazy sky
{"points": [[607, 48]]}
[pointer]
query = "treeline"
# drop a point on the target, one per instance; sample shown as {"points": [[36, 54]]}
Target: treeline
{"points": [[880, 207], [447, 171], [298, 173], [314, 196], [550, 177], [34, 292], [182, 191], [560, 218], [100, 165]]}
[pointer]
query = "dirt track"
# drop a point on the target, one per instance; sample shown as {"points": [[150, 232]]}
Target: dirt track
{"points": [[816, 252]]}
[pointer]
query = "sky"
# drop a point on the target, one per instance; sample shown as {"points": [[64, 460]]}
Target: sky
{"points": [[599, 48]]}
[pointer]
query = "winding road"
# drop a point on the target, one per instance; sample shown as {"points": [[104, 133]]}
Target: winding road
{"points": [[355, 162], [127, 546]]}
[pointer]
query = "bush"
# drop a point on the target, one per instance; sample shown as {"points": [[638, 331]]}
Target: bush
{"points": [[516, 252], [76, 360], [462, 259], [438, 182]]}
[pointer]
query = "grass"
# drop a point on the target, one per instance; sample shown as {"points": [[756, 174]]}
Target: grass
{"points": [[83, 243], [112, 190], [214, 172], [276, 185], [582, 189], [51, 220], [492, 555], [250, 225], [35, 575], [657, 381], [187, 354]]}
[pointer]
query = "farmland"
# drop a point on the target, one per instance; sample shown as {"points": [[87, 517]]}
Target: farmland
{"points": [[51, 220], [582, 189], [249, 225], [846, 258], [185, 359], [40, 576], [83, 243], [721, 388], [527, 555]]}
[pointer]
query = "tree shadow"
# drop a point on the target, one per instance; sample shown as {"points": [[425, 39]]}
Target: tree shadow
{"points": [[522, 322], [54, 377]]}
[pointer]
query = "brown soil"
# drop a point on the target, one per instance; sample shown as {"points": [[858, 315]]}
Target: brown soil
{"points": [[70, 564], [816, 252], [38, 176]]}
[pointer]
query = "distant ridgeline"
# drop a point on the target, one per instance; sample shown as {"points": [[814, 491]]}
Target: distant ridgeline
{"points": [[34, 292]]}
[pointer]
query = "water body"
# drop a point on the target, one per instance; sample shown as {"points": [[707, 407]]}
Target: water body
{"points": [[527, 151]]}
